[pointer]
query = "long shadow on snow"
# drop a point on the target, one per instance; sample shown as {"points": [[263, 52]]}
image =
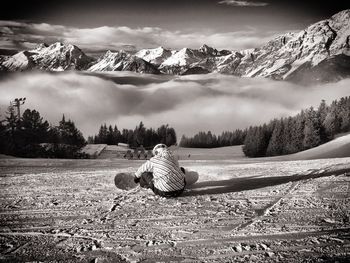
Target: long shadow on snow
{"points": [[250, 183]]}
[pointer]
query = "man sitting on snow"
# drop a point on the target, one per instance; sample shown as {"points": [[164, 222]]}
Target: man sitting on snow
{"points": [[162, 173]]}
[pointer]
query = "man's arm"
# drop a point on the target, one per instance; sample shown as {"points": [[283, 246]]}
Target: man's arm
{"points": [[146, 167]]}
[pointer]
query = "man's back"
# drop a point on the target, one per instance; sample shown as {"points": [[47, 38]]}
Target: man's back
{"points": [[167, 174]]}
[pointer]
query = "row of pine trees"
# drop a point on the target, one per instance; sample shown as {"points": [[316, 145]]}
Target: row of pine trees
{"points": [[22, 136], [31, 136], [147, 137], [25, 136], [308, 129], [209, 140]]}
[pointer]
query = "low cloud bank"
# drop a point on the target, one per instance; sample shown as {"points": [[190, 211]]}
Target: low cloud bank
{"points": [[243, 3], [189, 103]]}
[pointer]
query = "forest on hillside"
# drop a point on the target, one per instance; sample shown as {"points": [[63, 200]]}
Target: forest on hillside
{"points": [[210, 140], [29, 135], [147, 137], [308, 129]]}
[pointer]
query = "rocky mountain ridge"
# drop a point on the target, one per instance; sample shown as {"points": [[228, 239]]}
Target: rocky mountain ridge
{"points": [[55, 57], [319, 53], [123, 61]]}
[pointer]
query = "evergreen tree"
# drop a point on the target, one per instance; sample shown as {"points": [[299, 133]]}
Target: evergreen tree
{"points": [[130, 138], [171, 137], [332, 122], [312, 136], [250, 147], [139, 134], [210, 140], [322, 114], [117, 135], [3, 138], [90, 140], [322, 111], [184, 141], [162, 134], [102, 134], [297, 133], [262, 141], [53, 135], [125, 136], [11, 131], [344, 114], [276, 143], [110, 140], [288, 124], [69, 134], [33, 129], [151, 138]]}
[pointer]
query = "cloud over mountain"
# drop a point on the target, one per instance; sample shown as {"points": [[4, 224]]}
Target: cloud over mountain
{"points": [[21, 35], [188, 103]]}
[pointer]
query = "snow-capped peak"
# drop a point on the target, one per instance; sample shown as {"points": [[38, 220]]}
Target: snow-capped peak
{"points": [[57, 56], [41, 46], [183, 57], [322, 48], [155, 56], [123, 61], [205, 49]]}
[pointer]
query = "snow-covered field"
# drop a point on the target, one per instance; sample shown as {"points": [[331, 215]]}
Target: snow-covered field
{"points": [[257, 211]]}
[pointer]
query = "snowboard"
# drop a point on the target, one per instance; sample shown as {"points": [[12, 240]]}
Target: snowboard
{"points": [[125, 181]]}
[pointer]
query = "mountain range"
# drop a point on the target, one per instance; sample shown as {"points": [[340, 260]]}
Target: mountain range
{"points": [[319, 53]]}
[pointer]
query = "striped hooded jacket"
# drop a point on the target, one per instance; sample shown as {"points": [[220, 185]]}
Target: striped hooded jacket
{"points": [[167, 175]]}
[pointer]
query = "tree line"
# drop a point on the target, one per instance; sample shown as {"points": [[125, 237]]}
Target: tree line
{"points": [[209, 140], [147, 137], [308, 129], [30, 135]]}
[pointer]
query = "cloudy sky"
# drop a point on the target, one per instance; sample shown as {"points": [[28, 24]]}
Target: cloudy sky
{"points": [[188, 103], [134, 24]]}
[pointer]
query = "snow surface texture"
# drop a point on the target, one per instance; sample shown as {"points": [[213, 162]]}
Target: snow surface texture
{"points": [[239, 210], [69, 210]]}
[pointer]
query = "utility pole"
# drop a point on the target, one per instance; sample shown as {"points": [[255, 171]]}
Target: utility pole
{"points": [[17, 103]]}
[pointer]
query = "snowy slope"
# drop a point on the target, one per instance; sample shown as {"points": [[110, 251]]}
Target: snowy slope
{"points": [[204, 59], [155, 56], [55, 57], [183, 57], [305, 56], [284, 56], [337, 148], [123, 61], [18, 62]]}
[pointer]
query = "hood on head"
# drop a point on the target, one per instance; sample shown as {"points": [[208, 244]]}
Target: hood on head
{"points": [[158, 148]]}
